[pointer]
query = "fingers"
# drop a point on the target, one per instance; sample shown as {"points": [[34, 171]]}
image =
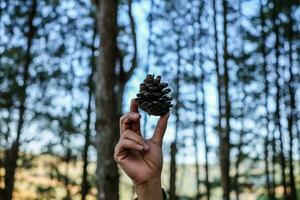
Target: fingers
{"points": [[130, 135], [125, 144], [129, 141], [160, 129], [130, 121], [134, 106]]}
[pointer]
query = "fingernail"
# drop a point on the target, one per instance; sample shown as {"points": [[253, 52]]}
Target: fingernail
{"points": [[146, 146]]}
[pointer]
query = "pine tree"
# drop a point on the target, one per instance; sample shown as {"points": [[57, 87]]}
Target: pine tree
{"points": [[225, 134], [277, 113], [266, 104], [90, 85], [291, 104], [12, 154], [106, 97]]}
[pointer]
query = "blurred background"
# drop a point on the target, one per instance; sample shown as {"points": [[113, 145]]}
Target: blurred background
{"points": [[69, 69]]}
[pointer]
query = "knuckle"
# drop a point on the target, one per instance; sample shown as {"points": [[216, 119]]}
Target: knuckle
{"points": [[126, 133]]}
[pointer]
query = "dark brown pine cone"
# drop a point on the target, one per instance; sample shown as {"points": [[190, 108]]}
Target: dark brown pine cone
{"points": [[153, 96]]}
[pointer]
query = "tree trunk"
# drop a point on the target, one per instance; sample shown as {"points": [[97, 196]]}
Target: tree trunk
{"points": [[109, 93], [195, 142], [203, 109], [266, 105], [84, 183], [106, 113], [66, 175], [225, 137], [292, 107], [277, 99], [11, 155], [239, 146], [173, 152], [149, 45], [224, 145], [207, 184]]}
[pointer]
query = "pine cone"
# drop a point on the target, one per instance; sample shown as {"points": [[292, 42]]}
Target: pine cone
{"points": [[153, 96]]}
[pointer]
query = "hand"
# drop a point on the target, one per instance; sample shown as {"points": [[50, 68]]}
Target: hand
{"points": [[140, 159]]}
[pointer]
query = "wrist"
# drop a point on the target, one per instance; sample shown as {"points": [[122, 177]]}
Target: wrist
{"points": [[150, 190]]}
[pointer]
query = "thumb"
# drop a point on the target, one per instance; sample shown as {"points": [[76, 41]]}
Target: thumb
{"points": [[160, 129]]}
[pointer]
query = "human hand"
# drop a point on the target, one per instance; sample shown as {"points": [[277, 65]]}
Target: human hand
{"points": [[141, 159]]}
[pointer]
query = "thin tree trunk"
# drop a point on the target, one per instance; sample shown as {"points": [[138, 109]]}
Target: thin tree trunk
{"points": [[66, 175], [223, 146], [195, 142], [203, 109], [292, 105], [84, 183], [196, 39], [266, 105], [173, 151], [106, 114], [236, 183], [225, 138], [149, 45], [207, 184], [11, 155], [277, 100]]}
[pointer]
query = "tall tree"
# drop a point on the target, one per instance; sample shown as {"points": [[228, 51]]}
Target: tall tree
{"points": [[196, 125], [266, 102], [202, 78], [109, 93], [12, 154], [173, 151], [225, 136], [106, 122], [90, 84], [149, 49], [277, 114], [291, 104], [220, 89]]}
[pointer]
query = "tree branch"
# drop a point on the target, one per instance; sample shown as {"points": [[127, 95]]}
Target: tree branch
{"points": [[133, 32]]}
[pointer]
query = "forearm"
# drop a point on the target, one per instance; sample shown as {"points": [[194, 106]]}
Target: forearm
{"points": [[150, 190]]}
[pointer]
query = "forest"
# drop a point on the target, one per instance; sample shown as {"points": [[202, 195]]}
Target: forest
{"points": [[69, 69]]}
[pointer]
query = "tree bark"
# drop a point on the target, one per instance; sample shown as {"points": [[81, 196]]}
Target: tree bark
{"points": [[66, 175], [266, 104], [84, 183], [149, 45], [173, 152], [109, 95], [277, 99], [11, 155], [236, 183], [106, 113], [203, 105], [292, 107], [224, 145], [225, 137], [195, 140], [203, 109]]}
